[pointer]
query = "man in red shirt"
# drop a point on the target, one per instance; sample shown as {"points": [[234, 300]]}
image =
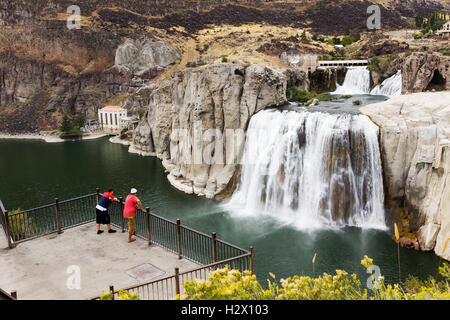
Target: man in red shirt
{"points": [[102, 211], [129, 212]]}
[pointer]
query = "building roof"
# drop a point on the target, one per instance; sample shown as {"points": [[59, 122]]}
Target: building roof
{"points": [[112, 108]]}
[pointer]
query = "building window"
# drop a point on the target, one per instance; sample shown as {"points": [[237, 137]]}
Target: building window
{"points": [[116, 119], [110, 118], [106, 118]]}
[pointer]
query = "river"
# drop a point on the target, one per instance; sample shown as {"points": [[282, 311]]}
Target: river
{"points": [[34, 173]]}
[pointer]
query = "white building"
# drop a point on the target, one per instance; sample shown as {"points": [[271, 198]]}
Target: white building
{"points": [[445, 31], [109, 118]]}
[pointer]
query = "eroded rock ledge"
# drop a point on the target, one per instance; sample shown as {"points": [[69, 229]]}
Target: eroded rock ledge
{"points": [[196, 121], [415, 149]]}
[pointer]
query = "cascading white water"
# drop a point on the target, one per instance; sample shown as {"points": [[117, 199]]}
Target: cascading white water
{"points": [[311, 170], [357, 81], [391, 87]]}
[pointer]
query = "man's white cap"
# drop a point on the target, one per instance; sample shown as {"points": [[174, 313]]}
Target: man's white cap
{"points": [[133, 190]]}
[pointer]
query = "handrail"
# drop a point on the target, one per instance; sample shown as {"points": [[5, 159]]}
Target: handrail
{"points": [[179, 274], [6, 296], [188, 243]]}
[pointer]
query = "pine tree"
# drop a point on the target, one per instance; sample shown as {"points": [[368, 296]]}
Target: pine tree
{"points": [[66, 125]]}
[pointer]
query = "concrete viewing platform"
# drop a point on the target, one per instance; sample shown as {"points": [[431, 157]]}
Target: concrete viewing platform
{"points": [[45, 268]]}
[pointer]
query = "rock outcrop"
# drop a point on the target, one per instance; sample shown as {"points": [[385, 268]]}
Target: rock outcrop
{"points": [[196, 121], [415, 148], [422, 71], [140, 56]]}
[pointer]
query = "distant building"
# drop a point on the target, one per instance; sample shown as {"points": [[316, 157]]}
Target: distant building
{"points": [[445, 31], [128, 123], [109, 118]]}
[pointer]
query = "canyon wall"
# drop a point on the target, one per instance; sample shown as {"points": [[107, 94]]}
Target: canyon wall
{"points": [[196, 122], [415, 148]]}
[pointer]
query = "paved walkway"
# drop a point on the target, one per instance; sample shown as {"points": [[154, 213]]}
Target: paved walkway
{"points": [[38, 269]]}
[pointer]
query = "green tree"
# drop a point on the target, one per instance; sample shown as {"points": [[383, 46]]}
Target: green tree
{"points": [[66, 124], [419, 21], [79, 120], [347, 40]]}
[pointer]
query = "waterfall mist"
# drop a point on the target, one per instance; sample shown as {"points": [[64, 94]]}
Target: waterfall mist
{"points": [[312, 170]]}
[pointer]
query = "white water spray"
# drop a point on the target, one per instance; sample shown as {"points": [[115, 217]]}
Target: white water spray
{"points": [[312, 170], [357, 81], [391, 87]]}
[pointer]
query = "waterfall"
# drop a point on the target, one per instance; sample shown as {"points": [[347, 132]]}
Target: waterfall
{"points": [[357, 81], [390, 87], [311, 170]]}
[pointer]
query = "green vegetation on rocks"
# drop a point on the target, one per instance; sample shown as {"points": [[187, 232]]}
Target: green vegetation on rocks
{"points": [[303, 96], [227, 284]]}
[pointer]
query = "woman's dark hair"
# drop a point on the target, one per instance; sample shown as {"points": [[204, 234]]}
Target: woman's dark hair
{"points": [[110, 190]]}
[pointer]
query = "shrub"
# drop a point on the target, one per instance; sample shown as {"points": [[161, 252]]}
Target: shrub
{"points": [[20, 225], [357, 102], [299, 95], [346, 41], [227, 284], [123, 295]]}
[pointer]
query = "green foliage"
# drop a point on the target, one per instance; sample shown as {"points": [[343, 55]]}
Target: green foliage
{"points": [[71, 126], [224, 58], [444, 271], [66, 124], [435, 21], [419, 21], [73, 133], [357, 102], [303, 96], [374, 64], [336, 40], [304, 37], [79, 121], [123, 295], [19, 224], [227, 284], [347, 40]]}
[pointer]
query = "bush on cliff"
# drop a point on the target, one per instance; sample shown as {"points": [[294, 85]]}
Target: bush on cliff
{"points": [[227, 284]]}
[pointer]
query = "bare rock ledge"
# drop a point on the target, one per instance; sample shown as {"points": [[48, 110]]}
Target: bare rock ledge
{"points": [[415, 149]]}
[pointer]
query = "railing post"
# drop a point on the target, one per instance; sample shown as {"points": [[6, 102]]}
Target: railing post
{"points": [[180, 252], [58, 218], [149, 227], [251, 260], [214, 247], [122, 219], [8, 230], [111, 289], [97, 191], [177, 280]]}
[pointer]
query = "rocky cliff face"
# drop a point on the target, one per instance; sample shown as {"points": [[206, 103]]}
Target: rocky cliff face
{"points": [[422, 71], [196, 122], [415, 147]]}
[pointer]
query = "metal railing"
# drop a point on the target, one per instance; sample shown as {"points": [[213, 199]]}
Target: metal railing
{"points": [[6, 296], [169, 287], [187, 243], [37, 222]]}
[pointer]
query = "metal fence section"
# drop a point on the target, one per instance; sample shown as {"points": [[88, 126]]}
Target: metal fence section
{"points": [[169, 287], [188, 243], [51, 218]]}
